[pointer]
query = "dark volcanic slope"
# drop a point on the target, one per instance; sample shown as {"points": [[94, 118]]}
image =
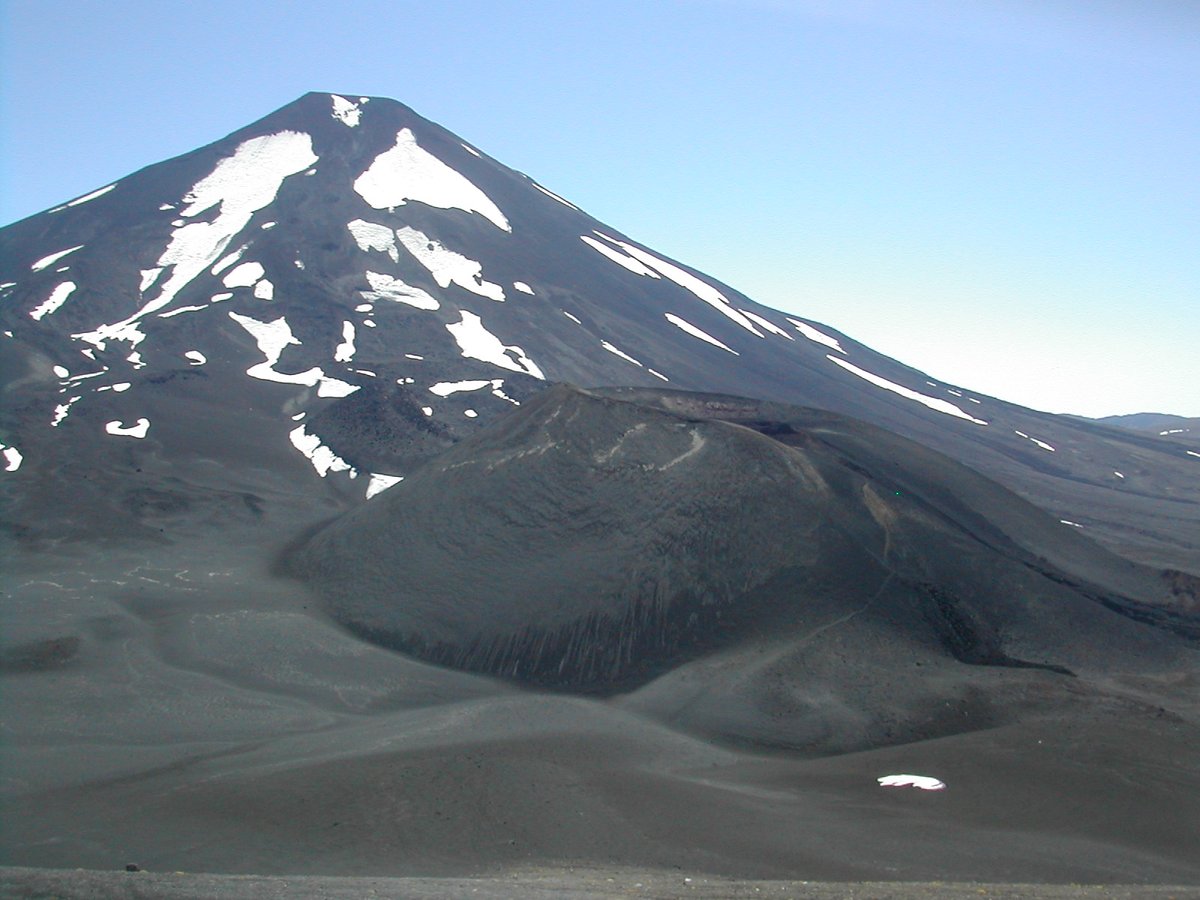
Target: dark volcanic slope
{"points": [[219, 308], [591, 543]]}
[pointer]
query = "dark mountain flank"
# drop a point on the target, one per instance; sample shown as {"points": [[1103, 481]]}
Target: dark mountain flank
{"points": [[590, 543], [221, 306]]}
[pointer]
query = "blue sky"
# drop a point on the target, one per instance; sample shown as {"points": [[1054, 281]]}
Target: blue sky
{"points": [[1004, 193]]}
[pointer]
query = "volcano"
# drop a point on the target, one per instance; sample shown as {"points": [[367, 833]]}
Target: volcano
{"points": [[369, 508]]}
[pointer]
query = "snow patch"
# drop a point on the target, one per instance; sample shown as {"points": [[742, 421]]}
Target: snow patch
{"points": [[195, 357], [1069, 522], [57, 298], [47, 261], [272, 338], [407, 172], [239, 186], [476, 342], [470, 413], [821, 337], [12, 457], [1118, 474], [86, 197], [244, 275], [370, 236], [942, 406], [180, 310], [691, 329], [346, 111], [1191, 453], [471, 150], [658, 375], [344, 352], [137, 430], [554, 196], [380, 483], [764, 323], [385, 287], [149, 276], [323, 459], [446, 388], [448, 267], [619, 258], [922, 782], [264, 290], [522, 287], [62, 371], [571, 317], [63, 410]]}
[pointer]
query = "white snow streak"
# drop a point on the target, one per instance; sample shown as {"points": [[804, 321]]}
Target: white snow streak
{"points": [[923, 782], [196, 357], [619, 258], [243, 275], [385, 287], [611, 349], [554, 196], [407, 172], [446, 388], [691, 329], [687, 281], [933, 403], [137, 430], [446, 266], [57, 298], [47, 261], [1069, 522], [86, 197], [522, 287], [476, 342], [769, 326], [239, 186], [571, 317], [149, 276], [819, 337]]}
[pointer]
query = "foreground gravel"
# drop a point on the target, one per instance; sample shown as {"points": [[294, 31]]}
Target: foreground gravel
{"points": [[82, 884]]}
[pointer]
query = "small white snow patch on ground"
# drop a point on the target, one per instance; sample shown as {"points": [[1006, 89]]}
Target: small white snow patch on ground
{"points": [[370, 236], [228, 260], [149, 276], [243, 275], [973, 400], [46, 261], [323, 459], [522, 287], [1042, 444], [238, 186], [220, 298], [1192, 453], [554, 196], [1173, 431], [471, 150], [345, 111], [195, 357], [686, 280], [933, 403], [691, 329], [922, 782], [470, 413], [180, 310], [611, 349], [12, 457], [768, 325], [122, 387], [476, 342], [364, 307], [446, 266], [1118, 474], [1069, 522], [446, 388], [821, 337], [57, 298], [267, 226], [620, 259], [62, 371], [344, 351], [136, 360], [407, 172], [954, 392], [298, 263], [86, 197], [264, 290], [428, 410], [137, 430], [658, 374], [369, 324], [571, 317], [165, 206], [412, 356], [298, 416], [386, 287], [380, 483]]}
